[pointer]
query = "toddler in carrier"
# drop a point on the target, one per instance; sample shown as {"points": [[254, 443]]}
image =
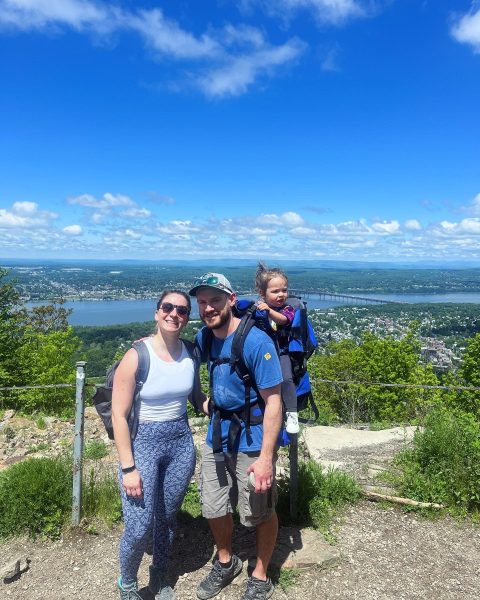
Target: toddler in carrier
{"points": [[272, 286]]}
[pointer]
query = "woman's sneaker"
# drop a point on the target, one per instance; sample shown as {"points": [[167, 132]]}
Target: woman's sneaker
{"points": [[257, 589], [158, 585], [128, 592], [218, 578], [292, 422]]}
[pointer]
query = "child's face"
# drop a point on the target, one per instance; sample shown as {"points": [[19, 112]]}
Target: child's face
{"points": [[276, 292]]}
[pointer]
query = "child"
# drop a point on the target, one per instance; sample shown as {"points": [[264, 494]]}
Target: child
{"points": [[272, 286]]}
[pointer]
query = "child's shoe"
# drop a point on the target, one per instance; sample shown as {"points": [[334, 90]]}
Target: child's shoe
{"points": [[292, 422]]}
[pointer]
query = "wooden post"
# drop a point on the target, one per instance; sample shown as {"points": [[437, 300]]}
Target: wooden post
{"points": [[293, 456], [78, 444]]}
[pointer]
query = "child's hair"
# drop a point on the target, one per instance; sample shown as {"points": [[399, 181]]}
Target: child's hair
{"points": [[264, 275]]}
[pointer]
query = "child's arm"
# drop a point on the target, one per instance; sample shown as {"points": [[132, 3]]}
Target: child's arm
{"points": [[277, 317]]}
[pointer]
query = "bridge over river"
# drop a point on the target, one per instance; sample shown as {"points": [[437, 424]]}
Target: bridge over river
{"points": [[321, 295]]}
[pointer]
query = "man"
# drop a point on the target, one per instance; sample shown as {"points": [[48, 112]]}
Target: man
{"points": [[251, 454]]}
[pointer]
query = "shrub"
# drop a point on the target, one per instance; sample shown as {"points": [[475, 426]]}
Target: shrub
{"points": [[35, 497], [321, 495], [95, 450], [444, 463]]}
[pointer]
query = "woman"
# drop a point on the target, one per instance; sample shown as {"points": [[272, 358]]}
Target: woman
{"points": [[156, 468]]}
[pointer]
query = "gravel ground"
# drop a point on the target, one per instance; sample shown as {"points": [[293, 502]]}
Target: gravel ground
{"points": [[387, 554]]}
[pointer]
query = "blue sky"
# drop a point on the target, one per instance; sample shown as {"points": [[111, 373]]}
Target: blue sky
{"points": [[304, 129]]}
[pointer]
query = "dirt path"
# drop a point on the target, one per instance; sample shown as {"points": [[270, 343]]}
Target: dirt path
{"points": [[386, 554]]}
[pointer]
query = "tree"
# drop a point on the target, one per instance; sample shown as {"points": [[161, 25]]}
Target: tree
{"points": [[469, 375], [375, 360], [10, 329]]}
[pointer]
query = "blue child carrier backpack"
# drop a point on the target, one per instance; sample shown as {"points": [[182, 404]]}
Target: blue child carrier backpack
{"points": [[302, 343]]}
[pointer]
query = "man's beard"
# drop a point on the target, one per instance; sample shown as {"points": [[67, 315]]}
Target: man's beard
{"points": [[224, 318]]}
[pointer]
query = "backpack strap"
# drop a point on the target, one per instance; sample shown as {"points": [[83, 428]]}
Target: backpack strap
{"points": [[237, 360], [141, 375]]}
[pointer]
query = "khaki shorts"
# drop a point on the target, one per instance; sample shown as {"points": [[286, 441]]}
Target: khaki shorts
{"points": [[224, 485]]}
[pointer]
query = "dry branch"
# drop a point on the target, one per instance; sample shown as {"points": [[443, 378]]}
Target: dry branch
{"points": [[375, 497]]}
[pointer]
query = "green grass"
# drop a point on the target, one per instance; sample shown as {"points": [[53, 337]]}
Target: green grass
{"points": [[40, 422], [38, 448], [321, 496], [287, 578], [101, 498], [95, 450], [191, 504]]}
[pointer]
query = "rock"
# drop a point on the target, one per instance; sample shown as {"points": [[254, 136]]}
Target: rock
{"points": [[8, 415], [303, 548], [15, 568]]}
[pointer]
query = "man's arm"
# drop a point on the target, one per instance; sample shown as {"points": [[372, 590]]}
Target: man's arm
{"points": [[272, 420]]}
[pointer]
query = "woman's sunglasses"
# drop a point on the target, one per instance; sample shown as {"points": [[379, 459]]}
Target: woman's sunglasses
{"points": [[167, 308]]}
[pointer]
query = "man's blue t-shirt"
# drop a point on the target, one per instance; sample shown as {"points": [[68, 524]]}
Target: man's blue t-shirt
{"points": [[228, 390]]}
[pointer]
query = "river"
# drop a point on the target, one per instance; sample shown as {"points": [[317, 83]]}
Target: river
{"points": [[113, 312]]}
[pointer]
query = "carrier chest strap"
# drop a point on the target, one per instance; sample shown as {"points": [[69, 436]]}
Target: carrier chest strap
{"points": [[235, 417]]}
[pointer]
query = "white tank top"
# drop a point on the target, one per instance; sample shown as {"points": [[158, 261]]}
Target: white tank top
{"points": [[165, 392]]}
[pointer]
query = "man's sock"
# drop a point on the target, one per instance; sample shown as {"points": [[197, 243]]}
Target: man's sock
{"points": [[226, 565]]}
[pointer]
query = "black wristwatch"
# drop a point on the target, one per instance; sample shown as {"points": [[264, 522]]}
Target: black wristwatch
{"points": [[129, 469]]}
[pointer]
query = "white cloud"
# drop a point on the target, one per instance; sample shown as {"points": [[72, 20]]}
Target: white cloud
{"points": [[330, 61], [26, 208], [222, 62], [287, 219], [473, 208], [240, 72], [166, 37], [25, 215], [466, 30], [72, 229], [412, 225], [132, 234], [471, 226], [36, 14], [108, 231], [330, 12], [386, 227], [137, 213]]}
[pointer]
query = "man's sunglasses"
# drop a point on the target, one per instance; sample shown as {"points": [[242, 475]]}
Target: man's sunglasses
{"points": [[167, 308], [210, 281]]}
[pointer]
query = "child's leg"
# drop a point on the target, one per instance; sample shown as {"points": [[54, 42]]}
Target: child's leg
{"points": [[289, 391]]}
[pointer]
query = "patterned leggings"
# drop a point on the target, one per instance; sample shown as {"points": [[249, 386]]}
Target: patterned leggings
{"points": [[165, 458]]}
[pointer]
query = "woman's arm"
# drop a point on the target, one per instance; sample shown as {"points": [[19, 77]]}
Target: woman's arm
{"points": [[122, 398]]}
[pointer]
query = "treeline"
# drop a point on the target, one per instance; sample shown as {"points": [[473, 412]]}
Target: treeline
{"points": [[147, 280]]}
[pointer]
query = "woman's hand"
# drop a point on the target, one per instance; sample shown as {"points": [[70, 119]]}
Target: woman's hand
{"points": [[132, 484], [205, 407]]}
